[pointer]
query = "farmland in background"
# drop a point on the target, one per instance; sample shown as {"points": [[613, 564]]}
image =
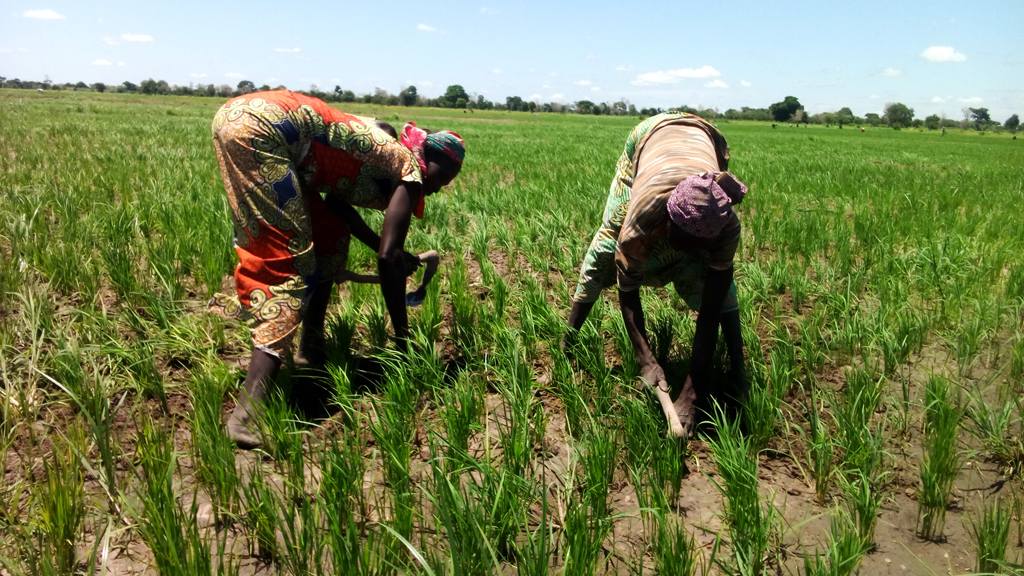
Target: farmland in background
{"points": [[882, 293]]}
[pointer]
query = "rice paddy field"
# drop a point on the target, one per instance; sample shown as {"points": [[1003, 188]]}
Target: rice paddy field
{"points": [[882, 291]]}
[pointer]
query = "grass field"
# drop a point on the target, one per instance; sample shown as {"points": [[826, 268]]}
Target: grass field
{"points": [[882, 293]]}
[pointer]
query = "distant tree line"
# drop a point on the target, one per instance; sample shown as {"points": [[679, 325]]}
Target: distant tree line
{"points": [[788, 110]]}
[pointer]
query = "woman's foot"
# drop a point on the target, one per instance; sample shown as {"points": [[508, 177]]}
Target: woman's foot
{"points": [[241, 429], [241, 425], [684, 406]]}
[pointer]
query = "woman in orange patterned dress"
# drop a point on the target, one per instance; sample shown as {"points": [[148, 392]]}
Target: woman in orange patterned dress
{"points": [[294, 169]]}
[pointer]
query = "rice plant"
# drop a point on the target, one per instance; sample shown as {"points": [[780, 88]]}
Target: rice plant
{"points": [[941, 457], [213, 453], [60, 506], [820, 449], [751, 523], [170, 530], [344, 506], [990, 530], [845, 550], [673, 547]]}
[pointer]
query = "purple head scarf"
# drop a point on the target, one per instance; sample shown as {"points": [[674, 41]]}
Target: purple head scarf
{"points": [[702, 204]]}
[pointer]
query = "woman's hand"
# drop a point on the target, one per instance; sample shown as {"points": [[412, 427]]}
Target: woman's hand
{"points": [[410, 262], [654, 376], [391, 257]]}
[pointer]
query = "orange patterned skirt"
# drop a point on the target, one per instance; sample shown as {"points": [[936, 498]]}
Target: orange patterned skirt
{"points": [[286, 238]]}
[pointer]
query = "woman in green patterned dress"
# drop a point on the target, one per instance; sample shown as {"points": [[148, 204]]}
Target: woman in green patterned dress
{"points": [[669, 218]]}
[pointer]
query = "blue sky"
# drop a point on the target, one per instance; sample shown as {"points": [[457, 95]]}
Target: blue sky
{"points": [[937, 56]]}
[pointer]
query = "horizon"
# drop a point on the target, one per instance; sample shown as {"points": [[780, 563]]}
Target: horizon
{"points": [[930, 57]]}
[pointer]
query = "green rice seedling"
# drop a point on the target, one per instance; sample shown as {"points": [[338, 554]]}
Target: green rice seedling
{"points": [[93, 400], [213, 453], [750, 523], [376, 323], [282, 437], [393, 429], [59, 509], [462, 408], [343, 396], [118, 253], [583, 534], [820, 449], [519, 407], [548, 324], [991, 532], [661, 330], [171, 533], [656, 462], [465, 315], [864, 501], [1017, 361], [941, 459], [998, 429], [260, 517], [425, 325], [499, 300], [845, 549], [343, 504], [463, 518], [597, 461], [673, 548], [302, 538], [505, 495], [569, 390], [534, 555], [624, 345], [853, 409], [768, 387]]}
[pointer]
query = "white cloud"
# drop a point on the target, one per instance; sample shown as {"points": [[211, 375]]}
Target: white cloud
{"points": [[233, 75], [534, 97], [942, 54], [745, 83], [425, 28], [111, 41], [891, 72], [198, 75], [102, 62], [716, 83], [497, 71], [938, 99], [288, 50], [137, 38], [486, 10], [674, 76], [971, 100], [120, 64], [595, 88], [583, 82], [623, 68], [43, 14], [558, 97]]}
